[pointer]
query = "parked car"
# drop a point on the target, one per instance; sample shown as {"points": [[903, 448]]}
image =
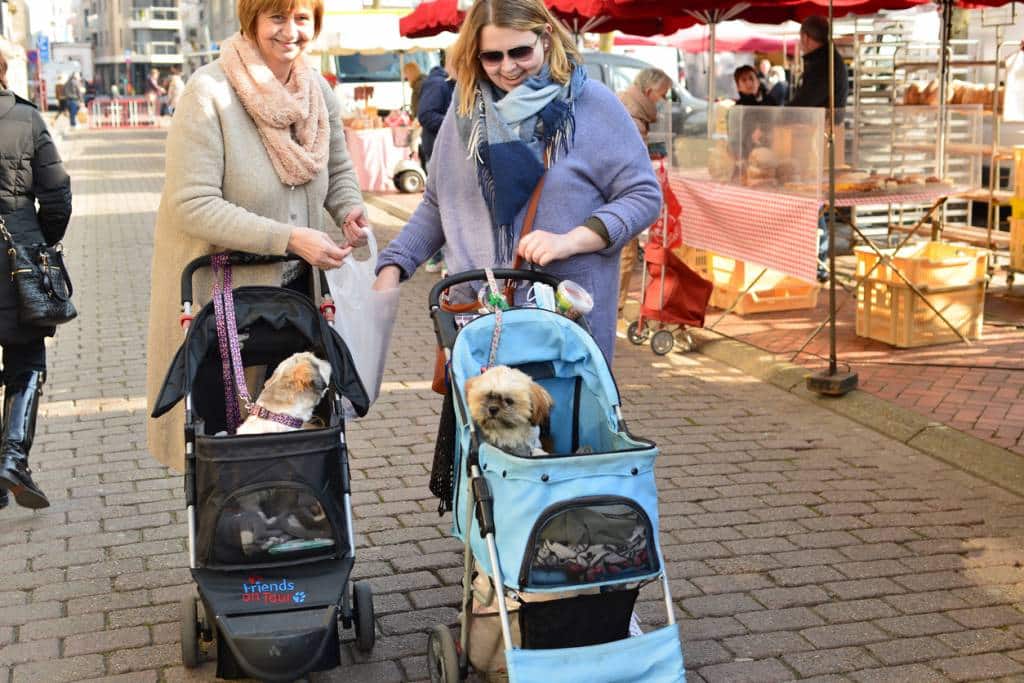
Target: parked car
{"points": [[689, 113]]}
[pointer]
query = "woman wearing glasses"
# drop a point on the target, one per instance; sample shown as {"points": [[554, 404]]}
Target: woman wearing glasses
{"points": [[522, 103]]}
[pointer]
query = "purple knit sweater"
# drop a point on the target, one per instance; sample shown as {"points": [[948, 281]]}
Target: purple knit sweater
{"points": [[607, 174]]}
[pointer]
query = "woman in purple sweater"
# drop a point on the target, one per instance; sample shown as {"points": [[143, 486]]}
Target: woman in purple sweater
{"points": [[522, 102]]}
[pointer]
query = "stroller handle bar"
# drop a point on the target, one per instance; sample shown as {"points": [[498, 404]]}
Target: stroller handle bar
{"points": [[238, 258], [445, 326], [479, 275]]}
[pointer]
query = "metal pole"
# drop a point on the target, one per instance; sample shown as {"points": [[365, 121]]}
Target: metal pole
{"points": [[831, 128], [711, 76], [945, 35]]}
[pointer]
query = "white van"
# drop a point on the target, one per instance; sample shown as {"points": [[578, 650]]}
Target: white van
{"points": [[383, 73], [51, 72]]}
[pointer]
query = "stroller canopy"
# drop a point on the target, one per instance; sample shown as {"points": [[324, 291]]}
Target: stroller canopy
{"points": [[275, 318], [531, 336]]}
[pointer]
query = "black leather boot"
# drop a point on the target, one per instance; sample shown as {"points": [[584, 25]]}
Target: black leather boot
{"points": [[21, 403]]}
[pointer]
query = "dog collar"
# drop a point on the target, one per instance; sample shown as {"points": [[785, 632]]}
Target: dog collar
{"points": [[287, 420]]}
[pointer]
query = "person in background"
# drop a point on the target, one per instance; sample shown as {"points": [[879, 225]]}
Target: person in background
{"points": [[751, 91], [641, 101], [435, 98], [175, 88], [35, 207], [154, 91], [414, 77], [779, 85], [73, 97], [812, 91], [255, 154], [515, 67], [58, 93], [114, 90], [764, 70]]}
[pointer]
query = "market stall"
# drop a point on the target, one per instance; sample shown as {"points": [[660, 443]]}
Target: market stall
{"points": [[375, 157]]}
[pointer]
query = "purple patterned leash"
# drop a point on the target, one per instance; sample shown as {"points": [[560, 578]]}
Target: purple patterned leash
{"points": [[235, 388]]}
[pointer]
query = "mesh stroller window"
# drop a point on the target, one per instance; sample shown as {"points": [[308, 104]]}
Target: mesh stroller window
{"points": [[590, 540], [273, 523]]}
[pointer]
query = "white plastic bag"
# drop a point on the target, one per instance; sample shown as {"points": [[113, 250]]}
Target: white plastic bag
{"points": [[363, 317]]}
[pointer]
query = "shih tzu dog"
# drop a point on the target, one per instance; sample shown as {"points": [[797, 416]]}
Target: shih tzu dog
{"points": [[294, 390], [509, 408]]}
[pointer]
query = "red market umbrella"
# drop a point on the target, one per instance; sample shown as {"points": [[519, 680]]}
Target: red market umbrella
{"points": [[433, 17], [730, 37]]}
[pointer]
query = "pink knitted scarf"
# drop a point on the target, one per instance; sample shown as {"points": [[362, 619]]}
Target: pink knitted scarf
{"points": [[291, 117]]}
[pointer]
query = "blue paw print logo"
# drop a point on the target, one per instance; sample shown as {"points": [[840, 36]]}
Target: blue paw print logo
{"points": [[299, 597]]}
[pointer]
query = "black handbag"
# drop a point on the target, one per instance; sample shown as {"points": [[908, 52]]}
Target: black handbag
{"points": [[41, 282]]}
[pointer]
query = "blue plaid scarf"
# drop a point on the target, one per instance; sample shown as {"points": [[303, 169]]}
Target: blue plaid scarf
{"points": [[509, 137]]}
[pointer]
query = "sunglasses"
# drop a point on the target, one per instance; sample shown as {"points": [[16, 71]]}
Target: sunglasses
{"points": [[516, 54]]}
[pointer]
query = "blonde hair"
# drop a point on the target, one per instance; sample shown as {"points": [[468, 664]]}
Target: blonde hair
{"points": [[520, 15], [3, 72], [249, 12]]}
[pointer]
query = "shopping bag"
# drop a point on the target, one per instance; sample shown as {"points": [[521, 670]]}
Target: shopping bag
{"points": [[667, 230], [363, 316]]}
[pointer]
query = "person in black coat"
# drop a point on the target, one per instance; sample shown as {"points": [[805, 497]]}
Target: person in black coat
{"points": [[812, 91], [35, 206], [435, 97]]}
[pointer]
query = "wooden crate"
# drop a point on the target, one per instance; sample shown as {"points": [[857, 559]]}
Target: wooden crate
{"points": [[1017, 243], [926, 264], [892, 313], [773, 291]]}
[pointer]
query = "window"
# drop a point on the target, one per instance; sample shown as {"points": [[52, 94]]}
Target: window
{"points": [[363, 68]]}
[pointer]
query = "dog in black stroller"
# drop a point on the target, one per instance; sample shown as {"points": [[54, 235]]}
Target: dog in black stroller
{"points": [[271, 541]]}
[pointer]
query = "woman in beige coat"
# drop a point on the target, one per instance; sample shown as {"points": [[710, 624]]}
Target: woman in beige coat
{"points": [[255, 153]]}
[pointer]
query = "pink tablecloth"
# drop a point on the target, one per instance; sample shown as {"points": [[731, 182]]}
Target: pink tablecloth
{"points": [[767, 228], [374, 156]]}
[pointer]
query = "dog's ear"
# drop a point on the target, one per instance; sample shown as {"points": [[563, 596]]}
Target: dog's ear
{"points": [[301, 377], [540, 404]]}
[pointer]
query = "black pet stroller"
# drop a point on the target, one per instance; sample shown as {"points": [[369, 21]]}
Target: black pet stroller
{"points": [[269, 515]]}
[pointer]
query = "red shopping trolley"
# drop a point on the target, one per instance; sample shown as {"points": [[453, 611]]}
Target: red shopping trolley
{"points": [[673, 295]]}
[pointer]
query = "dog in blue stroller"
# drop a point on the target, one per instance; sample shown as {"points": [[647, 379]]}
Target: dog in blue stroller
{"points": [[270, 535], [570, 536]]}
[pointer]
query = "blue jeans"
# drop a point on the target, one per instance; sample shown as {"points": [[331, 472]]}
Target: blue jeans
{"points": [[73, 111]]}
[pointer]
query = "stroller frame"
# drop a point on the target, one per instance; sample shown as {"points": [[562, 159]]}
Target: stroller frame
{"points": [[198, 626], [481, 501]]}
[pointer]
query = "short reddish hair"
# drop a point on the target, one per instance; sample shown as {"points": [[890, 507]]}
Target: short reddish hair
{"points": [[250, 10]]}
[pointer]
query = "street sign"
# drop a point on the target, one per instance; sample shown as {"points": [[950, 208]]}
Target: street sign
{"points": [[43, 45]]}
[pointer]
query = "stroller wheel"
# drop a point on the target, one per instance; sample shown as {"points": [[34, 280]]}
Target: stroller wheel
{"points": [[189, 633], [635, 334], [662, 342], [442, 658], [362, 613]]}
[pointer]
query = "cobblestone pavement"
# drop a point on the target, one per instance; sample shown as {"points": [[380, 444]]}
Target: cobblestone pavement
{"points": [[799, 544]]}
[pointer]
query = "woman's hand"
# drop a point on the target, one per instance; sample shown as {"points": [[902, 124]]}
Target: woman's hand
{"points": [[316, 248], [387, 278], [542, 247], [353, 226]]}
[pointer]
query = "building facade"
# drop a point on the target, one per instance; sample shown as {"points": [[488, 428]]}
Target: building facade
{"points": [[130, 37]]}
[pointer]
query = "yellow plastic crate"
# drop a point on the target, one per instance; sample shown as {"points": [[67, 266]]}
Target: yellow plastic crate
{"points": [[893, 314], [1017, 243], [926, 264], [773, 291]]}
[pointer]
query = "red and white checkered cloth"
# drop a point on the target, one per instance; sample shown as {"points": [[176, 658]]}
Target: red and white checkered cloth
{"points": [[921, 195], [771, 229]]}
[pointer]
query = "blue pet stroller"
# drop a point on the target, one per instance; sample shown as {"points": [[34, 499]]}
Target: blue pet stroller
{"points": [[580, 522], [270, 536]]}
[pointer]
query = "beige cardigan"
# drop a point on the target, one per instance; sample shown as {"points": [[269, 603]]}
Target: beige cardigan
{"points": [[221, 192]]}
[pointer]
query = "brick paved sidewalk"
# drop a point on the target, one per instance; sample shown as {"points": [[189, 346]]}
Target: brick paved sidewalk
{"points": [[799, 544]]}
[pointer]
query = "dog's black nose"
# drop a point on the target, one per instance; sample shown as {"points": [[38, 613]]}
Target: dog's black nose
{"points": [[493, 410]]}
